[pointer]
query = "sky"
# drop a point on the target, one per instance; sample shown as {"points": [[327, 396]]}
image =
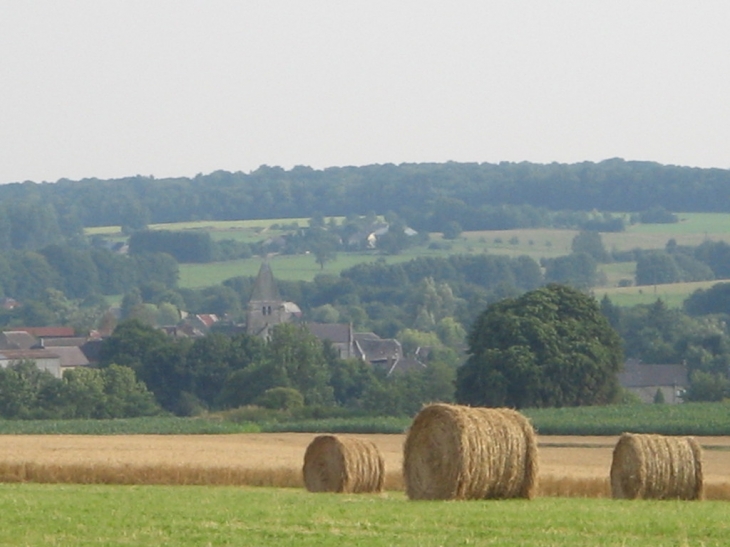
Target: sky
{"points": [[110, 89]]}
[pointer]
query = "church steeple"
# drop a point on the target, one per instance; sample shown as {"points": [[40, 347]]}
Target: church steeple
{"points": [[265, 287], [266, 308]]}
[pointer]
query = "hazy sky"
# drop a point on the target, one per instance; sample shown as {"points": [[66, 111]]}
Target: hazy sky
{"points": [[174, 88]]}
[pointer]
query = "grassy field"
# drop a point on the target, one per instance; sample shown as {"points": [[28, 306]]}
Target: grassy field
{"points": [[693, 229], [287, 267], [673, 295], [36, 515]]}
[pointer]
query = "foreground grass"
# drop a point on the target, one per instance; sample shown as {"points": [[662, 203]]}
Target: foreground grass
{"points": [[187, 516]]}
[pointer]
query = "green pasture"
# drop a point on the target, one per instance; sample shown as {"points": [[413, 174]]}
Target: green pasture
{"points": [[693, 229], [713, 225], [672, 294], [182, 516], [212, 225], [536, 243], [287, 267]]}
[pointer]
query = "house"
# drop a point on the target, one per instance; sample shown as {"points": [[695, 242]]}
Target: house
{"points": [[266, 309], [8, 303], [44, 359], [70, 357], [367, 238], [202, 321], [339, 335], [384, 353], [72, 351], [49, 332], [17, 339], [645, 380]]}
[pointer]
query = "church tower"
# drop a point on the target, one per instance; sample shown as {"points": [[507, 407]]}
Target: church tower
{"points": [[266, 308]]}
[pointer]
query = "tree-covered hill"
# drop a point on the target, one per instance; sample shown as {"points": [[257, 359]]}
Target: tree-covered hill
{"points": [[427, 196]]}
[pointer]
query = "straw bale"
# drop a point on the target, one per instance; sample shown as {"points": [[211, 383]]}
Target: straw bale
{"points": [[343, 464], [656, 467], [459, 452]]}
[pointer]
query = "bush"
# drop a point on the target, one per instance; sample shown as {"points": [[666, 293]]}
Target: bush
{"points": [[281, 398]]}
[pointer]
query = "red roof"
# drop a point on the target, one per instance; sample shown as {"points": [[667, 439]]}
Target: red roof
{"points": [[207, 319]]}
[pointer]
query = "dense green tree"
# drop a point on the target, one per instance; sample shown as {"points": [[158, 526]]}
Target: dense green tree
{"points": [[160, 267], [114, 392], [33, 224], [658, 215], [578, 270], [657, 267], [209, 361], [84, 390], [716, 254], [395, 240], [351, 379], [324, 251], [707, 386], [716, 299], [124, 395], [692, 269], [650, 332], [452, 230], [31, 275], [134, 344], [184, 246], [590, 242], [549, 347], [116, 272], [21, 386], [281, 398], [76, 270], [300, 358]]}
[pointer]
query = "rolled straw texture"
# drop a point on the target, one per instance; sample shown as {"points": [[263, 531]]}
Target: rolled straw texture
{"points": [[656, 467], [459, 452], [343, 464]]}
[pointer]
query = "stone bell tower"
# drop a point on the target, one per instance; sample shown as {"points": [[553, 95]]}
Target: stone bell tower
{"points": [[266, 309]]}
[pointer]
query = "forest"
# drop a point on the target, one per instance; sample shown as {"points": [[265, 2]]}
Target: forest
{"points": [[425, 196], [62, 276]]}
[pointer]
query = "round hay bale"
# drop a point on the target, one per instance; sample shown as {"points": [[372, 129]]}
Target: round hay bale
{"points": [[459, 452], [343, 464], [656, 467]]}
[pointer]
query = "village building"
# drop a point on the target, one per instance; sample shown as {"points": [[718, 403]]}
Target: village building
{"points": [[44, 359], [645, 381], [266, 309]]}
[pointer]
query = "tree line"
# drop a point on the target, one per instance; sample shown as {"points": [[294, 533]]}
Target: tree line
{"points": [[293, 369], [112, 392], [426, 196]]}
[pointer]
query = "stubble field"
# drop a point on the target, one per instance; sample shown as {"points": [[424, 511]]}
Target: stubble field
{"points": [[200, 497], [569, 466]]}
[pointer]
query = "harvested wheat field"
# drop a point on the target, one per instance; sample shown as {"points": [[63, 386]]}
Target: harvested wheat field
{"points": [[569, 466]]}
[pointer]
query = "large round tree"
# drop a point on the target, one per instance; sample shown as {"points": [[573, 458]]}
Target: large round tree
{"points": [[549, 347]]}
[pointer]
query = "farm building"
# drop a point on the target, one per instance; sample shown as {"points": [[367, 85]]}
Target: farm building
{"points": [[645, 380]]}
